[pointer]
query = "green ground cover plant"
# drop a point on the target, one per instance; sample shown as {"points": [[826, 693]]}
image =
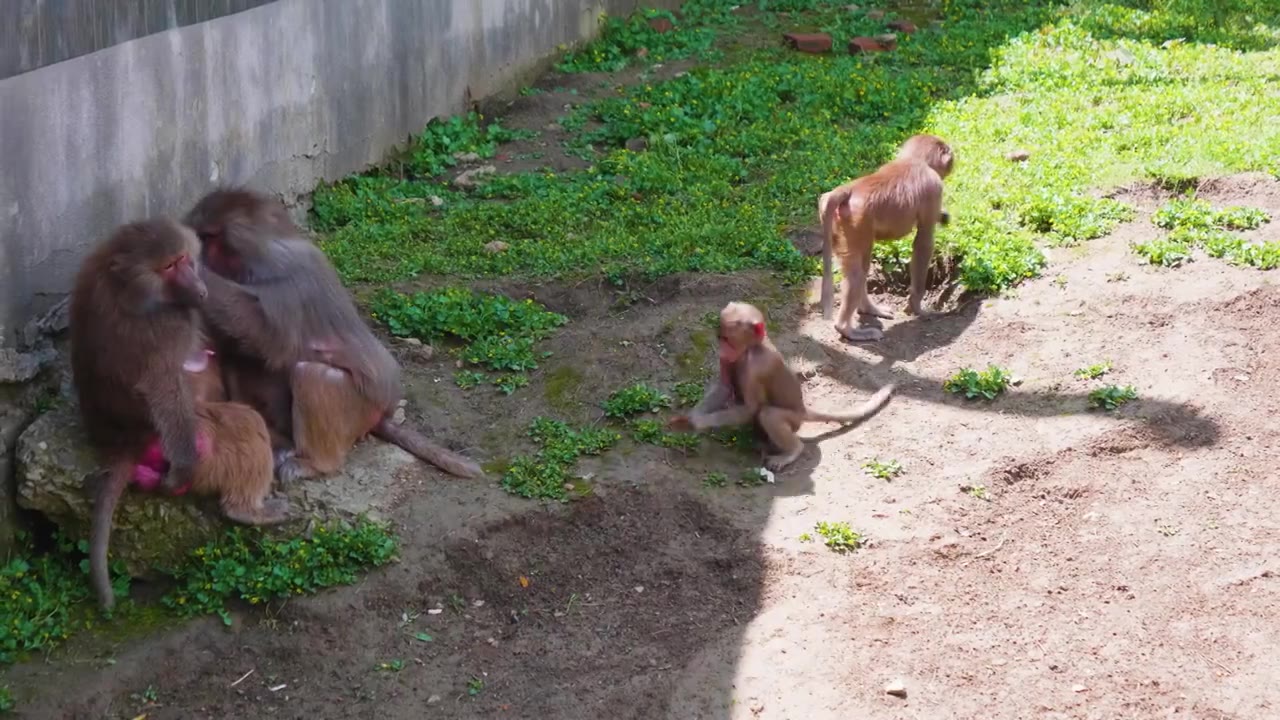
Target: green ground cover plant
{"points": [[498, 333], [547, 475], [739, 150], [975, 384], [1195, 223], [249, 566], [1112, 396]]}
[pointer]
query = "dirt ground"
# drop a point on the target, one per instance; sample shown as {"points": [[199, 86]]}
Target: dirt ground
{"points": [[1119, 566]]}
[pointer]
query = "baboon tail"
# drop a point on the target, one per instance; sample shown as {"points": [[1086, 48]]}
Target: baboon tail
{"points": [[864, 411], [422, 448], [104, 510]]}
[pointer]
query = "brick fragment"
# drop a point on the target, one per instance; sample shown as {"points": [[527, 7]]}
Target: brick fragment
{"points": [[816, 43], [865, 44], [903, 26]]}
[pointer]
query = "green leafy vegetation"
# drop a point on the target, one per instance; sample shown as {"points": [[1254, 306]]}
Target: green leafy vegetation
{"points": [[634, 400], [1094, 371], [7, 703], [1194, 223], [1112, 397], [643, 37], [546, 475], [886, 470], [973, 384], [688, 393], [249, 566], [651, 431], [715, 480], [499, 334], [1097, 93], [43, 597], [837, 535]]}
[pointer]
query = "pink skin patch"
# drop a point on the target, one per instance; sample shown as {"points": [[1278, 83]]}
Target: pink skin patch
{"points": [[152, 466], [199, 362]]}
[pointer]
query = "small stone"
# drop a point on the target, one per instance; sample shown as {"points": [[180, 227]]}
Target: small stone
{"points": [[864, 44], [397, 417], [495, 247], [477, 603], [875, 14], [466, 157], [644, 105], [888, 41], [896, 688], [492, 642], [402, 403], [553, 127], [642, 52], [470, 178], [458, 364], [412, 342], [661, 25], [1079, 689], [433, 699], [437, 201], [852, 8], [815, 43], [426, 352], [637, 144], [639, 588], [1018, 156], [435, 611], [903, 26]]}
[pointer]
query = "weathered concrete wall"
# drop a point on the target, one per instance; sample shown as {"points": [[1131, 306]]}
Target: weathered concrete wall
{"points": [[281, 95]]}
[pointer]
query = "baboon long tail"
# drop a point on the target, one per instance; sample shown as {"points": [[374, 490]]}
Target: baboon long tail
{"points": [[422, 448], [104, 511], [864, 411], [828, 205]]}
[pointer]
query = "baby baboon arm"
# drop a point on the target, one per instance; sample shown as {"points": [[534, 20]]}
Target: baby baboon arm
{"points": [[742, 412], [173, 415]]}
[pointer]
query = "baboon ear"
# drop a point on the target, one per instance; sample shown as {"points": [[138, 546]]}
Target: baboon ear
{"points": [[759, 329]]}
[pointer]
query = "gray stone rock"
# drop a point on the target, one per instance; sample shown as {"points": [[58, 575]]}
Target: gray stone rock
{"points": [[13, 417], [55, 465], [21, 367]]}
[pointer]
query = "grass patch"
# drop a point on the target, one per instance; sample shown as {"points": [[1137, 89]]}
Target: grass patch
{"points": [[884, 470], [1112, 397], [738, 153], [1094, 371], [1194, 223], [45, 597], [838, 536], [498, 333], [635, 399], [973, 384], [715, 480], [248, 566], [546, 475]]}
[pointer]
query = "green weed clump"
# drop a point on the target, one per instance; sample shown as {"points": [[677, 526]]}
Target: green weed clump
{"points": [[1094, 371], [1195, 223], [973, 384], [635, 399], [838, 536], [249, 566], [44, 597], [1112, 397], [499, 334], [546, 475], [884, 470]]}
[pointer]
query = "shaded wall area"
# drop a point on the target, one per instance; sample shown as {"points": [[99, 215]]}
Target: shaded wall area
{"points": [[280, 94]]}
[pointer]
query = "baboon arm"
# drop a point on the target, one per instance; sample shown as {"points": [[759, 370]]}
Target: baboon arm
{"points": [[716, 396], [172, 410], [738, 413], [238, 314]]}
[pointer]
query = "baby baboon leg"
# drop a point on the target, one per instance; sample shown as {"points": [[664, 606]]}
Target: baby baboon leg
{"points": [[781, 426], [329, 416], [271, 511]]}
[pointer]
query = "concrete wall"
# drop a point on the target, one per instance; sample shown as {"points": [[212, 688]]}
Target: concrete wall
{"points": [[281, 95]]}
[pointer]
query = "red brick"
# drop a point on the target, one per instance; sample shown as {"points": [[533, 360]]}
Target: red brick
{"points": [[808, 42], [661, 24], [903, 26], [865, 44], [888, 41]]}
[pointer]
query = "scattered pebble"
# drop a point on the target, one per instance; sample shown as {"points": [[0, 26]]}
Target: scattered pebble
{"points": [[411, 342], [875, 14], [466, 157], [397, 417], [637, 144], [896, 688], [433, 699], [437, 201], [639, 588], [435, 611], [477, 603], [495, 247], [471, 178], [888, 41], [1018, 156], [1079, 688], [903, 26]]}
